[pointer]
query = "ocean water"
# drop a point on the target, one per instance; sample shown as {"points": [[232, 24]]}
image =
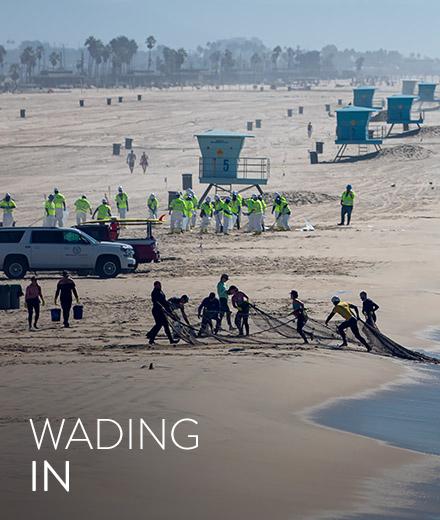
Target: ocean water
{"points": [[407, 416]]}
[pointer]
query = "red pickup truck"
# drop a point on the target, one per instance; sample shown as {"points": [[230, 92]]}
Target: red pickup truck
{"points": [[145, 249]]}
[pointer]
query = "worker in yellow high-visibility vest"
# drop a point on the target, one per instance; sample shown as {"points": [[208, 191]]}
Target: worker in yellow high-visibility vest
{"points": [[82, 207], [49, 211], [152, 205], [8, 205], [347, 203], [103, 211], [60, 207], [121, 200]]}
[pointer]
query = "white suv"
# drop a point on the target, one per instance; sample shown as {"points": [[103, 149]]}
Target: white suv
{"points": [[52, 249]]}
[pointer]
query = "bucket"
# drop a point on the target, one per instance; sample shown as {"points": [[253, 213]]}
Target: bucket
{"points": [[55, 314], [22, 113], [15, 293], [249, 126], [81, 102], [116, 148], [5, 297], [139, 97], [313, 158], [257, 123], [78, 312], [128, 143], [120, 98], [289, 112], [300, 110], [187, 182], [319, 147], [109, 101]]}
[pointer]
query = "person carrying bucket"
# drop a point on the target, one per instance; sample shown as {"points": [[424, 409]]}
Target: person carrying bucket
{"points": [[66, 289]]}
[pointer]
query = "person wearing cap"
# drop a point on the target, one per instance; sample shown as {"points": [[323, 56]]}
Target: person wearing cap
{"points": [[177, 211], [236, 204], [8, 205], [131, 159], [82, 207], [152, 205], [206, 212], [256, 215], [121, 200], [228, 216], [189, 209], [346, 309], [218, 214], [103, 211], [222, 293], [60, 207], [347, 202], [49, 211]]}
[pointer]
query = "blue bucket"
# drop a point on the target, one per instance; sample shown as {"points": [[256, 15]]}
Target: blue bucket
{"points": [[78, 312], [55, 314]]}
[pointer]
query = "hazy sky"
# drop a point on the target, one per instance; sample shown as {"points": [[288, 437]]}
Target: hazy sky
{"points": [[360, 24]]}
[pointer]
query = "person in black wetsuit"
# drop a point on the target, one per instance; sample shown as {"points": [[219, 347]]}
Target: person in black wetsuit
{"points": [[65, 289], [209, 310], [160, 308], [369, 309]]}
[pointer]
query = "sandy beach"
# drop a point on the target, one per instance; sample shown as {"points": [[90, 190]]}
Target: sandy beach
{"points": [[258, 454]]}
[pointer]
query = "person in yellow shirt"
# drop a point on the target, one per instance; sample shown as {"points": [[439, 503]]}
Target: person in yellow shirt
{"points": [[8, 205], [121, 200], [60, 207], [347, 203], [49, 212], [345, 310]]}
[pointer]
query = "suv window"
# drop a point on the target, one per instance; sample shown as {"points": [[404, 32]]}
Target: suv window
{"points": [[72, 237], [11, 236], [47, 237]]}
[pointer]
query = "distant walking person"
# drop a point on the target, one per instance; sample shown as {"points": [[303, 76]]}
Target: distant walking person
{"points": [[131, 160], [33, 297], [160, 308], [60, 207], [8, 205], [369, 309], [66, 289], [144, 162], [309, 130], [347, 203]]}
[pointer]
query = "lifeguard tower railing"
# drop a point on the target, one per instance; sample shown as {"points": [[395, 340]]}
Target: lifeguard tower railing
{"points": [[242, 170]]}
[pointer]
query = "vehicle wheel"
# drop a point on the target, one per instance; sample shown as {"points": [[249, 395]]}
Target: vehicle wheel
{"points": [[15, 268], [108, 267]]}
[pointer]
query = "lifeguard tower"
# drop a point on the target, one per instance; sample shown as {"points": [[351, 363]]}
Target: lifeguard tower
{"points": [[408, 86], [427, 92], [352, 129], [221, 164], [363, 97], [399, 112]]}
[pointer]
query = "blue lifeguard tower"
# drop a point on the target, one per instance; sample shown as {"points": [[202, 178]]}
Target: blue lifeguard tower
{"points": [[399, 112], [352, 129], [427, 92], [363, 97], [408, 86], [221, 164]]}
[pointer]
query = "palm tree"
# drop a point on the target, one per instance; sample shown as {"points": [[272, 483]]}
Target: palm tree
{"points": [[151, 42], [54, 58], [14, 72], [123, 51], [39, 53], [28, 59], [275, 55], [91, 45], [2, 57]]}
